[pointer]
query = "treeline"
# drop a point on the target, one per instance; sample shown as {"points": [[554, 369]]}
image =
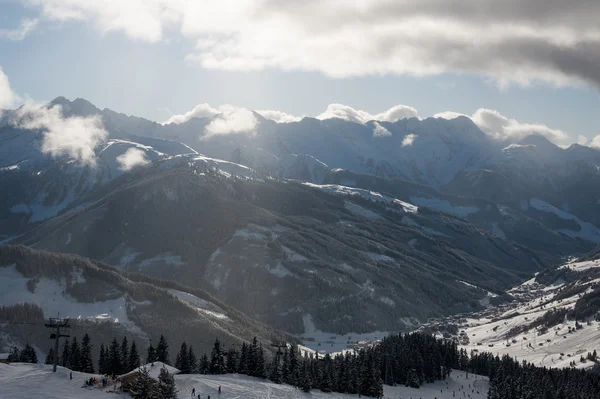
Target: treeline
{"points": [[510, 379], [354, 373], [25, 355]]}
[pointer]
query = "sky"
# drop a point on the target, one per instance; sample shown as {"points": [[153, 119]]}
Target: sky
{"points": [[512, 66]]}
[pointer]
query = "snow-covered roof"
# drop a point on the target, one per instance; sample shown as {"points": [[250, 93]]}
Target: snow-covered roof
{"points": [[153, 369], [4, 356]]}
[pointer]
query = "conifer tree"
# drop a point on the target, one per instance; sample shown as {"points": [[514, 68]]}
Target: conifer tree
{"points": [[124, 355], [86, 364], [275, 374], [102, 361], [192, 361], [74, 355], [259, 355], [134, 358], [162, 351], [143, 387], [285, 367], [217, 363], [243, 361], [232, 361], [15, 355], [182, 362], [204, 367], [294, 369], [66, 354], [151, 356], [50, 357], [305, 378], [114, 358], [28, 355], [166, 384]]}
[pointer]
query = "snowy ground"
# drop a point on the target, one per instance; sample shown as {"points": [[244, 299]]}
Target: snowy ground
{"points": [[19, 380], [557, 347]]}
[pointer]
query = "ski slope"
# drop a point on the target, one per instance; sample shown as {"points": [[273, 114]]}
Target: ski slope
{"points": [[21, 380]]}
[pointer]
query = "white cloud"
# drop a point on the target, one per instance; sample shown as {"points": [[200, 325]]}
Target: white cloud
{"points": [[132, 158], [8, 98], [278, 116], [75, 136], [358, 116], [409, 140], [582, 140], [509, 41], [231, 120], [501, 127], [25, 28], [380, 131], [595, 142], [199, 111], [396, 113], [449, 115]]}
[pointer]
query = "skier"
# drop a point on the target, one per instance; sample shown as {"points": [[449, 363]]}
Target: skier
{"points": [[70, 375], [219, 389], [193, 392]]}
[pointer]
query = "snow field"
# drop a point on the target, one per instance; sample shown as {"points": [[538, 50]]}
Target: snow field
{"points": [[21, 380]]}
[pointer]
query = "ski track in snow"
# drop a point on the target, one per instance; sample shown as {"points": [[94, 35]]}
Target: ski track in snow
{"points": [[21, 380]]}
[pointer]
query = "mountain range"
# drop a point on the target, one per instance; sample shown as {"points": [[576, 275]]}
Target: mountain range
{"points": [[317, 224]]}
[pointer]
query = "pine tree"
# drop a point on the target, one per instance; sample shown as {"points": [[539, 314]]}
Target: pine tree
{"points": [[114, 358], [326, 381], [166, 384], [275, 367], [192, 361], [243, 361], [74, 355], [124, 356], [182, 361], [15, 355], [151, 356], [305, 378], [143, 387], [28, 355], [217, 363], [259, 370], [102, 361], [285, 367], [86, 364], [134, 358], [162, 351], [66, 354], [294, 369], [204, 367], [49, 357], [232, 361]]}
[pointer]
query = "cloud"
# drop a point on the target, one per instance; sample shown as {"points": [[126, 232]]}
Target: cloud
{"points": [[380, 131], [409, 139], [231, 120], [25, 28], [510, 41], [132, 158], [396, 113], [278, 116], [501, 127], [8, 98], [199, 111], [449, 115], [75, 137], [595, 143], [358, 116]]}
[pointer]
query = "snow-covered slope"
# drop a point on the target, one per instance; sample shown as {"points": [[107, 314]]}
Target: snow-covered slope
{"points": [[550, 323], [21, 380]]}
